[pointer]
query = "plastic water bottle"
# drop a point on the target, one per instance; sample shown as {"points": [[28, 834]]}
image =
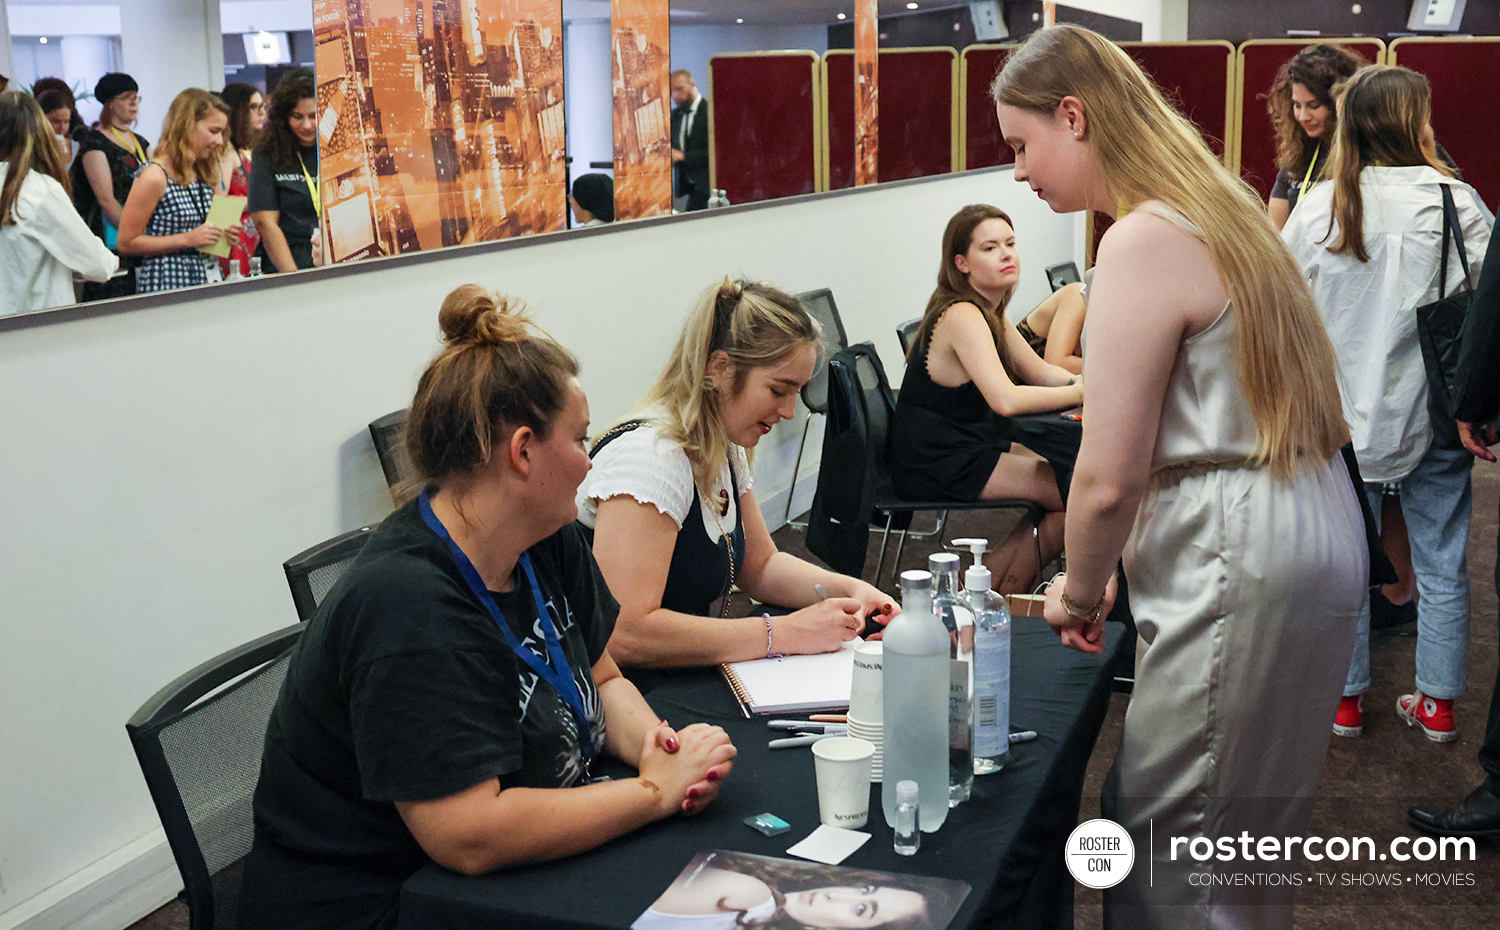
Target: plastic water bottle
{"points": [[717, 198], [991, 668], [950, 606], [908, 837], [915, 737]]}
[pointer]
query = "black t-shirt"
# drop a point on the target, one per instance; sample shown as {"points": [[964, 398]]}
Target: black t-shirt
{"points": [[123, 164], [284, 188], [403, 689]]}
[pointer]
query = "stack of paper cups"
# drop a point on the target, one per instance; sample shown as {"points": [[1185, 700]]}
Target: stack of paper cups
{"points": [[866, 703]]}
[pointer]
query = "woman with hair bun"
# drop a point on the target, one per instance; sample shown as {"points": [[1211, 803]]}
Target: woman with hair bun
{"points": [[449, 695], [1210, 461], [670, 502]]}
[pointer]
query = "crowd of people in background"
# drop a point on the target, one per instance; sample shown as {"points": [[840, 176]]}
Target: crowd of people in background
{"points": [[148, 207]]}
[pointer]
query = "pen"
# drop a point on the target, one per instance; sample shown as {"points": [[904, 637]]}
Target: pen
{"points": [[805, 725], [828, 718], [792, 741], [1022, 736]]}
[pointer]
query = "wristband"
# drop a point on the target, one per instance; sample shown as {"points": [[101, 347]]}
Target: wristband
{"points": [[770, 653]]}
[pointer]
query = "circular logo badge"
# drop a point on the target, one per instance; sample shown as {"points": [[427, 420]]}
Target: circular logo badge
{"points": [[1100, 853]]}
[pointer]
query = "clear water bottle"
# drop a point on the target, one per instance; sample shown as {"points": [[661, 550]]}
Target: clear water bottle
{"points": [[915, 732], [717, 198], [908, 837], [950, 606], [991, 671]]}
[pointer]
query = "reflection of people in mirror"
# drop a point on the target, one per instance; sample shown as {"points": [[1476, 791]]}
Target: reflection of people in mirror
{"points": [[731, 890], [104, 170], [593, 200], [689, 141], [285, 199]]}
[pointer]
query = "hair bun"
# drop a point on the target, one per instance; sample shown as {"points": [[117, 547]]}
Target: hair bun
{"points": [[471, 314]]}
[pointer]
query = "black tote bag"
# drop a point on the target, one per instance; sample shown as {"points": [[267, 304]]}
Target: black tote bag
{"points": [[1440, 332]]}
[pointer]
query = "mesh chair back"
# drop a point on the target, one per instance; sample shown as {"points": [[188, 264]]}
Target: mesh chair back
{"points": [[906, 332], [386, 434], [820, 304], [311, 574], [199, 744]]}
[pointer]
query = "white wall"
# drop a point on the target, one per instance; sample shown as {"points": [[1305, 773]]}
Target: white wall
{"points": [[588, 77], [7, 65], [692, 45], [163, 462]]}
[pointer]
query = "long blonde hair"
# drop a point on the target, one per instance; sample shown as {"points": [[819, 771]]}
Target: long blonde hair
{"points": [[175, 145], [755, 325], [1149, 151], [1386, 109], [26, 145]]}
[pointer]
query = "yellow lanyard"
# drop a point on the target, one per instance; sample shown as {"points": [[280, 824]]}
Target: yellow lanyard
{"points": [[312, 187], [133, 146], [1307, 178]]}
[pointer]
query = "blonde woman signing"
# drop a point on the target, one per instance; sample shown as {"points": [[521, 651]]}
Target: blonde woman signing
{"points": [[1210, 461], [670, 501]]}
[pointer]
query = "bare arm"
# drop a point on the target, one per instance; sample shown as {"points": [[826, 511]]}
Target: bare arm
{"points": [[633, 543], [1065, 336], [145, 194], [96, 170], [775, 577], [963, 337], [1154, 285], [268, 224], [488, 826], [1278, 208]]}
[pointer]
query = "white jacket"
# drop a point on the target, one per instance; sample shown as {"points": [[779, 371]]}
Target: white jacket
{"points": [[45, 245], [1369, 307]]}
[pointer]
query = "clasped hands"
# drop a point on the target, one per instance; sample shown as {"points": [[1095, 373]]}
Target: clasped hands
{"points": [[1083, 635], [688, 766]]}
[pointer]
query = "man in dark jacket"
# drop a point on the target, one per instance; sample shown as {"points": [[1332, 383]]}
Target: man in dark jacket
{"points": [[1478, 389], [689, 141]]}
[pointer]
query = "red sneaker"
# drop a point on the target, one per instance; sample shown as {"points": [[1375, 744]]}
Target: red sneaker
{"points": [[1350, 720], [1433, 715]]}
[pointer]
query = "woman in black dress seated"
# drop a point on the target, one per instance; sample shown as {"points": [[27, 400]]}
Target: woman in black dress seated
{"points": [[447, 698], [967, 371], [675, 520]]}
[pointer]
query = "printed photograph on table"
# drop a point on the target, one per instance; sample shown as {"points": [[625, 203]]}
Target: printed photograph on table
{"points": [[441, 123], [642, 70], [721, 889]]}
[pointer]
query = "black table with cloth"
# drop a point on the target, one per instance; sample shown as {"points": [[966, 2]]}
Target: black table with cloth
{"points": [[1007, 841]]}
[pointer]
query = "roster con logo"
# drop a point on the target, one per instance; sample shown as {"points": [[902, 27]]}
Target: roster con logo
{"points": [[1100, 853]]}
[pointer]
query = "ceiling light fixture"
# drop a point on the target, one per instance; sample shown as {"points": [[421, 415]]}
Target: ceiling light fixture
{"points": [[842, 16], [911, 6], [739, 21], [43, 40]]}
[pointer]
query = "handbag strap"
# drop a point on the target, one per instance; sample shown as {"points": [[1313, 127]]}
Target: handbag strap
{"points": [[1454, 230]]}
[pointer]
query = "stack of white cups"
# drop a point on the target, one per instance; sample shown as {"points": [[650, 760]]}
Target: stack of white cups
{"points": [[866, 702]]}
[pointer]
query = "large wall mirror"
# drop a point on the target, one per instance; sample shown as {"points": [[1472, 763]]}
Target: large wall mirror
{"points": [[440, 122]]}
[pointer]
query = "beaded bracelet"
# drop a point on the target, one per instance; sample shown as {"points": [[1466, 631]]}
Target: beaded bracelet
{"points": [[770, 653]]}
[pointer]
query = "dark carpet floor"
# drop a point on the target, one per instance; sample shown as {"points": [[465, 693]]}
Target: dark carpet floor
{"points": [[1367, 782]]}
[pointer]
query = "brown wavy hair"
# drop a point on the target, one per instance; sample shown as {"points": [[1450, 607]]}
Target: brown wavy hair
{"points": [[238, 95], [1319, 68], [784, 877], [277, 141], [497, 371], [953, 285], [1147, 151], [26, 145], [1386, 112]]}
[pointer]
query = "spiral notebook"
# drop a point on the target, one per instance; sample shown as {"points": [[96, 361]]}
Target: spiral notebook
{"points": [[793, 684]]}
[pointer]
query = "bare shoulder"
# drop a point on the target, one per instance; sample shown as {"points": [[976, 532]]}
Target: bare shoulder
{"points": [[153, 178], [1163, 263]]}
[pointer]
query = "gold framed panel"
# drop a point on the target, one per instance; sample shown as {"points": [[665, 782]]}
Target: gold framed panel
{"points": [[961, 107], [956, 121], [1231, 70], [819, 122]]}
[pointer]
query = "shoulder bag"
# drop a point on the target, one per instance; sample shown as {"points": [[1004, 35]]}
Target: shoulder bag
{"points": [[1440, 331]]}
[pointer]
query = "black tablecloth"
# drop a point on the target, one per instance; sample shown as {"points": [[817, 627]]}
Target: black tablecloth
{"points": [[1007, 842], [1053, 437]]}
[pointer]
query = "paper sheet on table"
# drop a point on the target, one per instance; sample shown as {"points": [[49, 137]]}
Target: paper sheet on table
{"points": [[829, 844], [224, 212]]}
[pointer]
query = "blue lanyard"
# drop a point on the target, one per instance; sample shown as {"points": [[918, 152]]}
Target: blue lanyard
{"points": [[560, 674]]}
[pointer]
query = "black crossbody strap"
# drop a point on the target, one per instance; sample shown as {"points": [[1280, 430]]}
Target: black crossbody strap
{"points": [[1452, 229]]}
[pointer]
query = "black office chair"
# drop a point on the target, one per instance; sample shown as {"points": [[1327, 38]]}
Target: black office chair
{"points": [[815, 392], [906, 332], [856, 444], [199, 744], [312, 573], [386, 434], [1062, 274]]}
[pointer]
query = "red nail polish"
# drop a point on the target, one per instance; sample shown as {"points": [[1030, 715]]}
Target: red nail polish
{"points": [[672, 745], [713, 776], [692, 792]]}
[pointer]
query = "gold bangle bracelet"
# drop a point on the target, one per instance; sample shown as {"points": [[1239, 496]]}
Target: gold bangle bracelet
{"points": [[1078, 611]]}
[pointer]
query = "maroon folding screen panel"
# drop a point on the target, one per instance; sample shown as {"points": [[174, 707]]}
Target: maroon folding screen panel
{"points": [[1461, 119], [983, 147], [764, 124], [916, 115], [1259, 62], [1196, 78]]}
